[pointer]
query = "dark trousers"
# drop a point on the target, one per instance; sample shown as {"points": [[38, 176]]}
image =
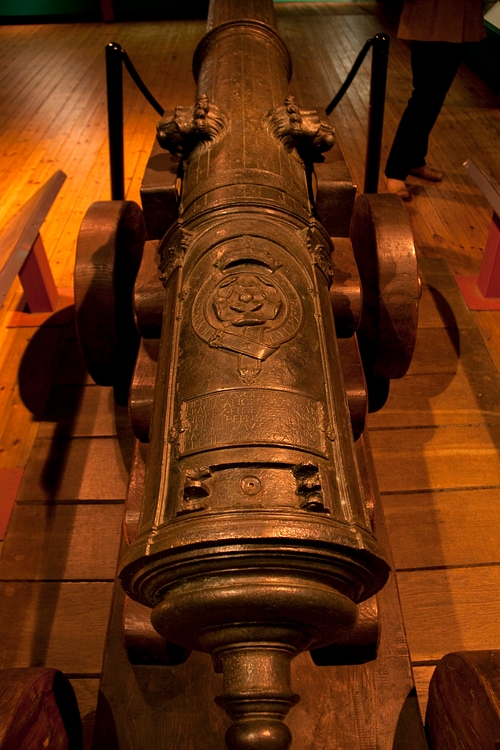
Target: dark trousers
{"points": [[434, 66]]}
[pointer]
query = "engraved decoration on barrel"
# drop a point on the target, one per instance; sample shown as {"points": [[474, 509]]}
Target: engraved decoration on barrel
{"points": [[251, 309]]}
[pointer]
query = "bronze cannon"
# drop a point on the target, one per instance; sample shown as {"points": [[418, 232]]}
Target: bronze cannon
{"points": [[254, 541]]}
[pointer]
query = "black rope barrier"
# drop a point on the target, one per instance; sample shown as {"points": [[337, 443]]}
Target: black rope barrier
{"points": [[378, 78], [380, 59], [350, 77], [115, 56], [140, 84]]}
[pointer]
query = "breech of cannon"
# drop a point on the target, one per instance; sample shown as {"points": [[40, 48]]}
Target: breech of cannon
{"points": [[253, 542]]}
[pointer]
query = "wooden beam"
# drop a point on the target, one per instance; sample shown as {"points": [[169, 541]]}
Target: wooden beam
{"points": [[21, 232]]}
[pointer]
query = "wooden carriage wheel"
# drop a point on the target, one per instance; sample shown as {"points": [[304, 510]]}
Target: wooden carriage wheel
{"points": [[109, 252], [384, 249]]}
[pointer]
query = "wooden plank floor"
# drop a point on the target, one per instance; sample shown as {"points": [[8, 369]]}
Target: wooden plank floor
{"points": [[436, 442]]}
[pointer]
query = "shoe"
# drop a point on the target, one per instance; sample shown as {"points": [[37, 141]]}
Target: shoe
{"points": [[427, 173], [398, 187]]}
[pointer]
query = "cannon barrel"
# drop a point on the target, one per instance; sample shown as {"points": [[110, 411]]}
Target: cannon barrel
{"points": [[253, 541]]}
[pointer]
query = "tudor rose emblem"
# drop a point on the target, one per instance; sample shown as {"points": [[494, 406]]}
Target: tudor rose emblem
{"points": [[248, 310]]}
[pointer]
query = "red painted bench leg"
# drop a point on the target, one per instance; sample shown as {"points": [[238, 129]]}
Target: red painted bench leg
{"points": [[37, 280], [488, 280], [483, 292], [10, 479]]}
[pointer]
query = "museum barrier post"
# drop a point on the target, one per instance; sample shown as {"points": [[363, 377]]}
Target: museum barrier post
{"points": [[115, 55], [378, 78]]}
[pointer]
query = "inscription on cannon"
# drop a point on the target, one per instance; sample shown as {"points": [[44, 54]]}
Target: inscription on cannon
{"points": [[252, 417]]}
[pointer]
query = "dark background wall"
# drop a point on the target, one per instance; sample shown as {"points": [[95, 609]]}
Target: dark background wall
{"points": [[39, 11]]}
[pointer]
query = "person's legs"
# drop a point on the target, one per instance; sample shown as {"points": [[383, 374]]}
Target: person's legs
{"points": [[434, 66]]}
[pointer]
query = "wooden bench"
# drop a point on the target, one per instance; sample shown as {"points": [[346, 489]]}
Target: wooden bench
{"points": [[482, 292], [22, 254]]}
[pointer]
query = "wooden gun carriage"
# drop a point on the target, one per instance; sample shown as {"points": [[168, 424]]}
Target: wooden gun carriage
{"points": [[281, 310]]}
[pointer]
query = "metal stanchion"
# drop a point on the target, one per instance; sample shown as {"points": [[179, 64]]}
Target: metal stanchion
{"points": [[115, 119], [380, 58]]}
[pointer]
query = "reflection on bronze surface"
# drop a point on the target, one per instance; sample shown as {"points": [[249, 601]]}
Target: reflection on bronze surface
{"points": [[253, 541]]}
